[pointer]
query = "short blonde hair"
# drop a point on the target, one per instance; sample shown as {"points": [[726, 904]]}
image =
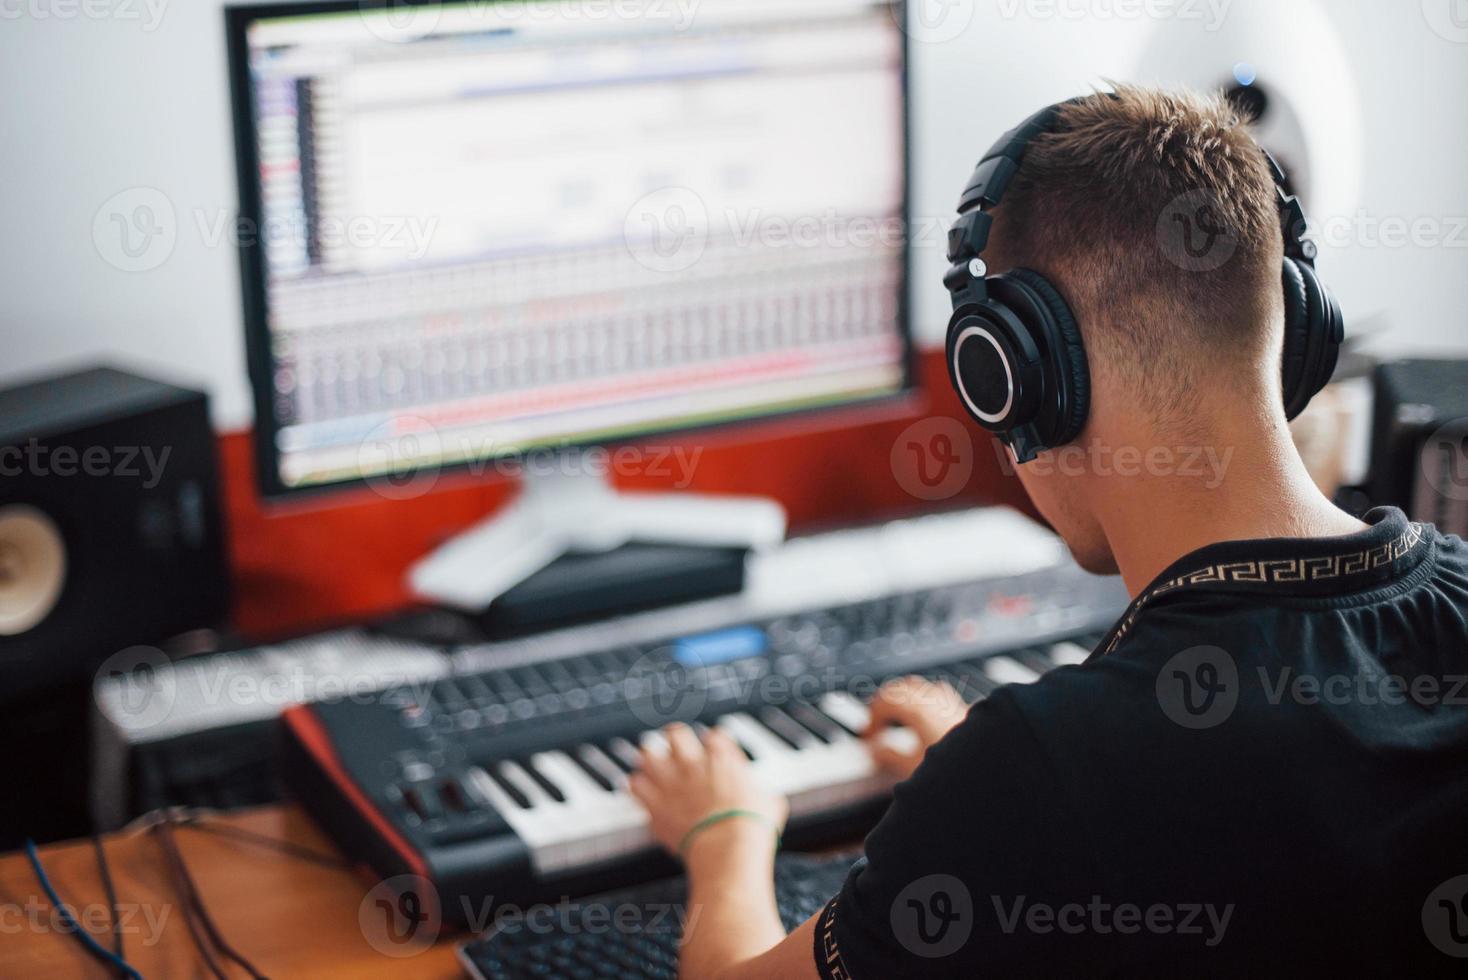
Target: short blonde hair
{"points": [[1155, 214]]}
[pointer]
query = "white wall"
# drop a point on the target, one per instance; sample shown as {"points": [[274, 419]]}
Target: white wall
{"points": [[139, 98]]}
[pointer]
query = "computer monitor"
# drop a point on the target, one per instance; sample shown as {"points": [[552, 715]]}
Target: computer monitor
{"points": [[474, 229]]}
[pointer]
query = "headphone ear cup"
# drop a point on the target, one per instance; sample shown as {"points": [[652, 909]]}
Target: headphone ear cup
{"points": [[1313, 333], [994, 366], [1076, 379], [1296, 337]]}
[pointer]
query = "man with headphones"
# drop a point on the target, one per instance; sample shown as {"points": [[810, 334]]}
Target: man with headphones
{"points": [[1264, 765]]}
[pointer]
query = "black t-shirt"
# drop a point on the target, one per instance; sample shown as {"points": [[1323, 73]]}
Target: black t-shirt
{"points": [[1261, 770]]}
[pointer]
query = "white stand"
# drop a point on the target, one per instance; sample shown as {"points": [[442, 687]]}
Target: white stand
{"points": [[559, 513]]}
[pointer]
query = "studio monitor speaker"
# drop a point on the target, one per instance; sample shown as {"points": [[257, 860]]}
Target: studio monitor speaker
{"points": [[110, 529], [1419, 441]]}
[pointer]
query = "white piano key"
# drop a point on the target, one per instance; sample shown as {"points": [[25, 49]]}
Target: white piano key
{"points": [[752, 735], [1067, 654], [556, 835], [847, 710], [851, 712], [654, 743], [537, 833], [1003, 670], [594, 825], [598, 820], [486, 790], [901, 739], [526, 784], [568, 778]]}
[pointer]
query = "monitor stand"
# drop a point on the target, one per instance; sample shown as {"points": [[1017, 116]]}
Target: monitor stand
{"points": [[556, 513]]}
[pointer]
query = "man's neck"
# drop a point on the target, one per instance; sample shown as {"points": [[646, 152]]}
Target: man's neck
{"points": [[1244, 485]]}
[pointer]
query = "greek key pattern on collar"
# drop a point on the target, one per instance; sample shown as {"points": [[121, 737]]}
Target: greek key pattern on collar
{"points": [[826, 940], [1277, 570]]}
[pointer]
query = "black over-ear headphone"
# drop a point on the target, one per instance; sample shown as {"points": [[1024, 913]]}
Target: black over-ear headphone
{"points": [[1014, 349]]}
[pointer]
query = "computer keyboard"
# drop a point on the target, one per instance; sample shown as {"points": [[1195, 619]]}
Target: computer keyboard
{"points": [[634, 934]]}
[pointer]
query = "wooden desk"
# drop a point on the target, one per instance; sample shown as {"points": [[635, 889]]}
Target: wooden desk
{"points": [[289, 917]]}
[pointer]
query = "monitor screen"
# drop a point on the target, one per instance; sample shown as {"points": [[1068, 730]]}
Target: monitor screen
{"points": [[475, 229]]}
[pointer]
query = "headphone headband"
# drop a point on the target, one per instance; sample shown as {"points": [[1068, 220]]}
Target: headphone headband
{"points": [[1014, 351], [969, 235]]}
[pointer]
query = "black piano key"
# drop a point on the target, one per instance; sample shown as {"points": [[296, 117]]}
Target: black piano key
{"points": [[530, 681], [478, 691], [597, 776], [551, 788], [446, 694], [815, 722], [560, 678], [622, 752], [785, 728], [960, 682], [976, 684], [509, 787], [1035, 658]]}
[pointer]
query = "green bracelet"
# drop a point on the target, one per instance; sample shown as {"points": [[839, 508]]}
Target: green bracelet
{"points": [[721, 815]]}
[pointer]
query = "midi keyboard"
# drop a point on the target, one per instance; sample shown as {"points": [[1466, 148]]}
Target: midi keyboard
{"points": [[510, 781]]}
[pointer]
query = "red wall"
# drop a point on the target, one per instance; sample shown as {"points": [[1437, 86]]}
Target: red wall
{"points": [[343, 556]]}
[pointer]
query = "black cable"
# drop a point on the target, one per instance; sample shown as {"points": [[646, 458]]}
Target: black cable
{"points": [[179, 886], [165, 834], [285, 846], [113, 912], [85, 938]]}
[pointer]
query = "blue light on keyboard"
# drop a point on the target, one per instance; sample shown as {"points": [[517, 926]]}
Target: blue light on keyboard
{"points": [[720, 647]]}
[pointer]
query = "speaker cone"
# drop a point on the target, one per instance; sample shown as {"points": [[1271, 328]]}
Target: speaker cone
{"points": [[32, 568]]}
